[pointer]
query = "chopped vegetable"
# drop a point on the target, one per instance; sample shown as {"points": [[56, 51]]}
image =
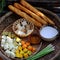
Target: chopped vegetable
{"points": [[5, 33], [10, 54], [22, 52], [4, 37], [25, 50], [30, 48], [6, 46], [22, 42], [10, 45], [27, 43], [20, 48], [13, 35], [25, 55], [24, 46], [29, 52], [9, 34], [17, 51], [33, 49], [15, 47], [18, 39], [20, 56]]}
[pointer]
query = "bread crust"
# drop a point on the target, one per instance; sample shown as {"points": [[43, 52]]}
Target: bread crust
{"points": [[24, 15], [19, 6], [30, 7]]}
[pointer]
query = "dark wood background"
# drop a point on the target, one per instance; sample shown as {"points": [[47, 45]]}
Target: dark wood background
{"points": [[47, 4]]}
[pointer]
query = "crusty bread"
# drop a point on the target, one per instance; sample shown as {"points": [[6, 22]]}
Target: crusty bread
{"points": [[31, 8], [33, 15], [24, 15]]}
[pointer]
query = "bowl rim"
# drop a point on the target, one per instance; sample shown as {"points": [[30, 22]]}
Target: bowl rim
{"points": [[49, 39]]}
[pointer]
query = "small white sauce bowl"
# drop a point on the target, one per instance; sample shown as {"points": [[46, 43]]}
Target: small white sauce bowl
{"points": [[49, 33]]}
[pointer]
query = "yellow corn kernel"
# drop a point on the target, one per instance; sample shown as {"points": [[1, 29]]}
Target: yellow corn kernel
{"points": [[22, 52], [17, 51], [19, 48], [17, 55], [25, 55], [20, 55], [18, 39]]}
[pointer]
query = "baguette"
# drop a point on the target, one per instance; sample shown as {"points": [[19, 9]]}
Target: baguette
{"points": [[24, 15], [19, 6], [30, 7]]}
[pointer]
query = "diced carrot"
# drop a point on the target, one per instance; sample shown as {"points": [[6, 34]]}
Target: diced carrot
{"points": [[27, 43], [24, 46], [22, 42], [34, 49], [30, 48]]}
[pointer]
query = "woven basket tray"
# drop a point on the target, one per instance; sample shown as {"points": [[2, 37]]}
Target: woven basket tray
{"points": [[8, 19]]}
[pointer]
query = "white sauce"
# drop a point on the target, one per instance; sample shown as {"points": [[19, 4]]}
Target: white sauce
{"points": [[48, 32]]}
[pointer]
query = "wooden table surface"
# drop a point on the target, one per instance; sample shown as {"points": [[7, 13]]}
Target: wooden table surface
{"points": [[1, 58]]}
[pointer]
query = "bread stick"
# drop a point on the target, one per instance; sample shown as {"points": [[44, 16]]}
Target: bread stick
{"points": [[19, 6], [24, 15], [30, 7]]}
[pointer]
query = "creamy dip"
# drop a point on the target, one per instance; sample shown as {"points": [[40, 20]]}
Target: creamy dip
{"points": [[48, 32]]}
